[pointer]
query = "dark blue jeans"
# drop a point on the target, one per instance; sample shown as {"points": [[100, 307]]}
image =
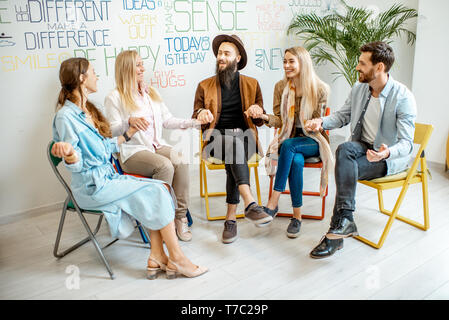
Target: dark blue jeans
{"points": [[291, 165], [352, 165]]}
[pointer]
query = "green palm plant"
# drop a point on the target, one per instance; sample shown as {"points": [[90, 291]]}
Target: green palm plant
{"points": [[337, 38]]}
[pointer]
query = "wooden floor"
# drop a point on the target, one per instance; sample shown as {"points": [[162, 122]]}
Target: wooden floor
{"points": [[262, 264]]}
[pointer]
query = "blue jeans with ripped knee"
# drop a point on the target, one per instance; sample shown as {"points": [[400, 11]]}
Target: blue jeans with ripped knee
{"points": [[291, 165]]}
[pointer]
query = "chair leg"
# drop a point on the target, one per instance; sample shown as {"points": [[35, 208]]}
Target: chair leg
{"points": [[61, 226], [409, 221], [147, 236], [256, 177], [380, 199], [206, 193], [425, 198], [201, 179], [58, 235], [189, 218], [91, 237], [393, 215], [143, 233], [95, 242], [305, 193], [323, 204]]}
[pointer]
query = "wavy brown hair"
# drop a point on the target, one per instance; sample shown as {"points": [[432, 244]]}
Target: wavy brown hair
{"points": [[69, 76]]}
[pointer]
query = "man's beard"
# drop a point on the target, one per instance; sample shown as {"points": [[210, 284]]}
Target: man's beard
{"points": [[227, 74], [366, 77]]}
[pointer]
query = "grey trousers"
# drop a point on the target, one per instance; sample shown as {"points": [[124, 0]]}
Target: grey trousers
{"points": [[352, 165], [159, 166]]}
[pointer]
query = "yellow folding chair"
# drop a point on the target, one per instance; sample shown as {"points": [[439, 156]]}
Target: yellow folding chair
{"points": [[403, 180], [214, 165]]}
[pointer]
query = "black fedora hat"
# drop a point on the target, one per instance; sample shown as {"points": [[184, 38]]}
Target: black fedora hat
{"points": [[235, 40]]}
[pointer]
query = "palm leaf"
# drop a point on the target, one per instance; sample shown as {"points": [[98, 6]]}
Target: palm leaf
{"points": [[337, 37]]}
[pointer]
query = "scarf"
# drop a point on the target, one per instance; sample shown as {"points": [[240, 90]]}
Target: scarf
{"points": [[288, 119]]}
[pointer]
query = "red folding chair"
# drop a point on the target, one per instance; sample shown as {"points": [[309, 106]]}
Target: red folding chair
{"points": [[313, 162]]}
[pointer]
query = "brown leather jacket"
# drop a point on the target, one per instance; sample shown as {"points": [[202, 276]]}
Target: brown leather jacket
{"points": [[275, 119], [208, 96]]}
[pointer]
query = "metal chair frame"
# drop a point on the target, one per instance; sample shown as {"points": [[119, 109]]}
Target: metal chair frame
{"points": [[54, 162]]}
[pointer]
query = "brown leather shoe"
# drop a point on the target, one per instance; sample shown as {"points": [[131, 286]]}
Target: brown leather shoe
{"points": [[257, 215], [182, 229], [229, 231]]}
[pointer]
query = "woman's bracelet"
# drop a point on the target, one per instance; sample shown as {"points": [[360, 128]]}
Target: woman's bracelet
{"points": [[125, 135]]}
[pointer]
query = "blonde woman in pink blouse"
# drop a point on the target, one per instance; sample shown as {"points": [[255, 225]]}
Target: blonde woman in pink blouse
{"points": [[133, 103]]}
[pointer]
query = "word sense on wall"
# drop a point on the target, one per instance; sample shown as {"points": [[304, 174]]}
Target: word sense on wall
{"points": [[174, 38]]}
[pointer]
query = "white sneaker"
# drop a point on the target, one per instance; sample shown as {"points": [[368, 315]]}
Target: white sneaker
{"points": [[182, 229]]}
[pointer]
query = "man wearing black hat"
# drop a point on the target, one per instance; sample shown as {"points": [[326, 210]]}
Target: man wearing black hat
{"points": [[228, 106]]}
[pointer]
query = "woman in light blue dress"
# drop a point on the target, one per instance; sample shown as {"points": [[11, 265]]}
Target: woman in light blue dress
{"points": [[83, 140]]}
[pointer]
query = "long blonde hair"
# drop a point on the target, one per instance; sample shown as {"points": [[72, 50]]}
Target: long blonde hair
{"points": [[310, 85], [126, 82]]}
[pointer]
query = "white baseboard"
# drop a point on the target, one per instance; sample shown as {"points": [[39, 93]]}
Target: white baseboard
{"points": [[14, 217]]}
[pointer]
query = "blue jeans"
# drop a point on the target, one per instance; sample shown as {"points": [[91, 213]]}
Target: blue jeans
{"points": [[352, 165], [291, 164]]}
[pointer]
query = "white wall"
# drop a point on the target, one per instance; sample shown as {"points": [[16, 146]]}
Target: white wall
{"points": [[29, 74], [402, 69], [431, 84]]}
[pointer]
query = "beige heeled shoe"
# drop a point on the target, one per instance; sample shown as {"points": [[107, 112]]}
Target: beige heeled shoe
{"points": [[153, 272], [171, 274]]}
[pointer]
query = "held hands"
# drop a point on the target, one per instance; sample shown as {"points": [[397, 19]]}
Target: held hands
{"points": [[64, 150], [132, 130], [313, 125], [138, 123], [374, 156], [254, 112], [205, 116]]}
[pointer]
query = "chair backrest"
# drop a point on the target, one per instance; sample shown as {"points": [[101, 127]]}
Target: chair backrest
{"points": [[422, 133], [326, 113], [421, 137], [54, 162]]}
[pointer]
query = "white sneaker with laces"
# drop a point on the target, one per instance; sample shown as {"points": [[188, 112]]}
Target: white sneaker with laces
{"points": [[182, 229]]}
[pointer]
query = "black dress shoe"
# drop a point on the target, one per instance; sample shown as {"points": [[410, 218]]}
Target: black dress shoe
{"points": [[343, 228], [326, 248]]}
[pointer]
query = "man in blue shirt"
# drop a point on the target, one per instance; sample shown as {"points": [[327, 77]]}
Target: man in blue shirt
{"points": [[381, 112]]}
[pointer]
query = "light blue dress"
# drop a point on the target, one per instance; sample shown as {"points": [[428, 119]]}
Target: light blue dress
{"points": [[96, 185]]}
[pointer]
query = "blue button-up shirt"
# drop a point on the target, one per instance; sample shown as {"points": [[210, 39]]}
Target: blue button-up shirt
{"points": [[396, 125]]}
